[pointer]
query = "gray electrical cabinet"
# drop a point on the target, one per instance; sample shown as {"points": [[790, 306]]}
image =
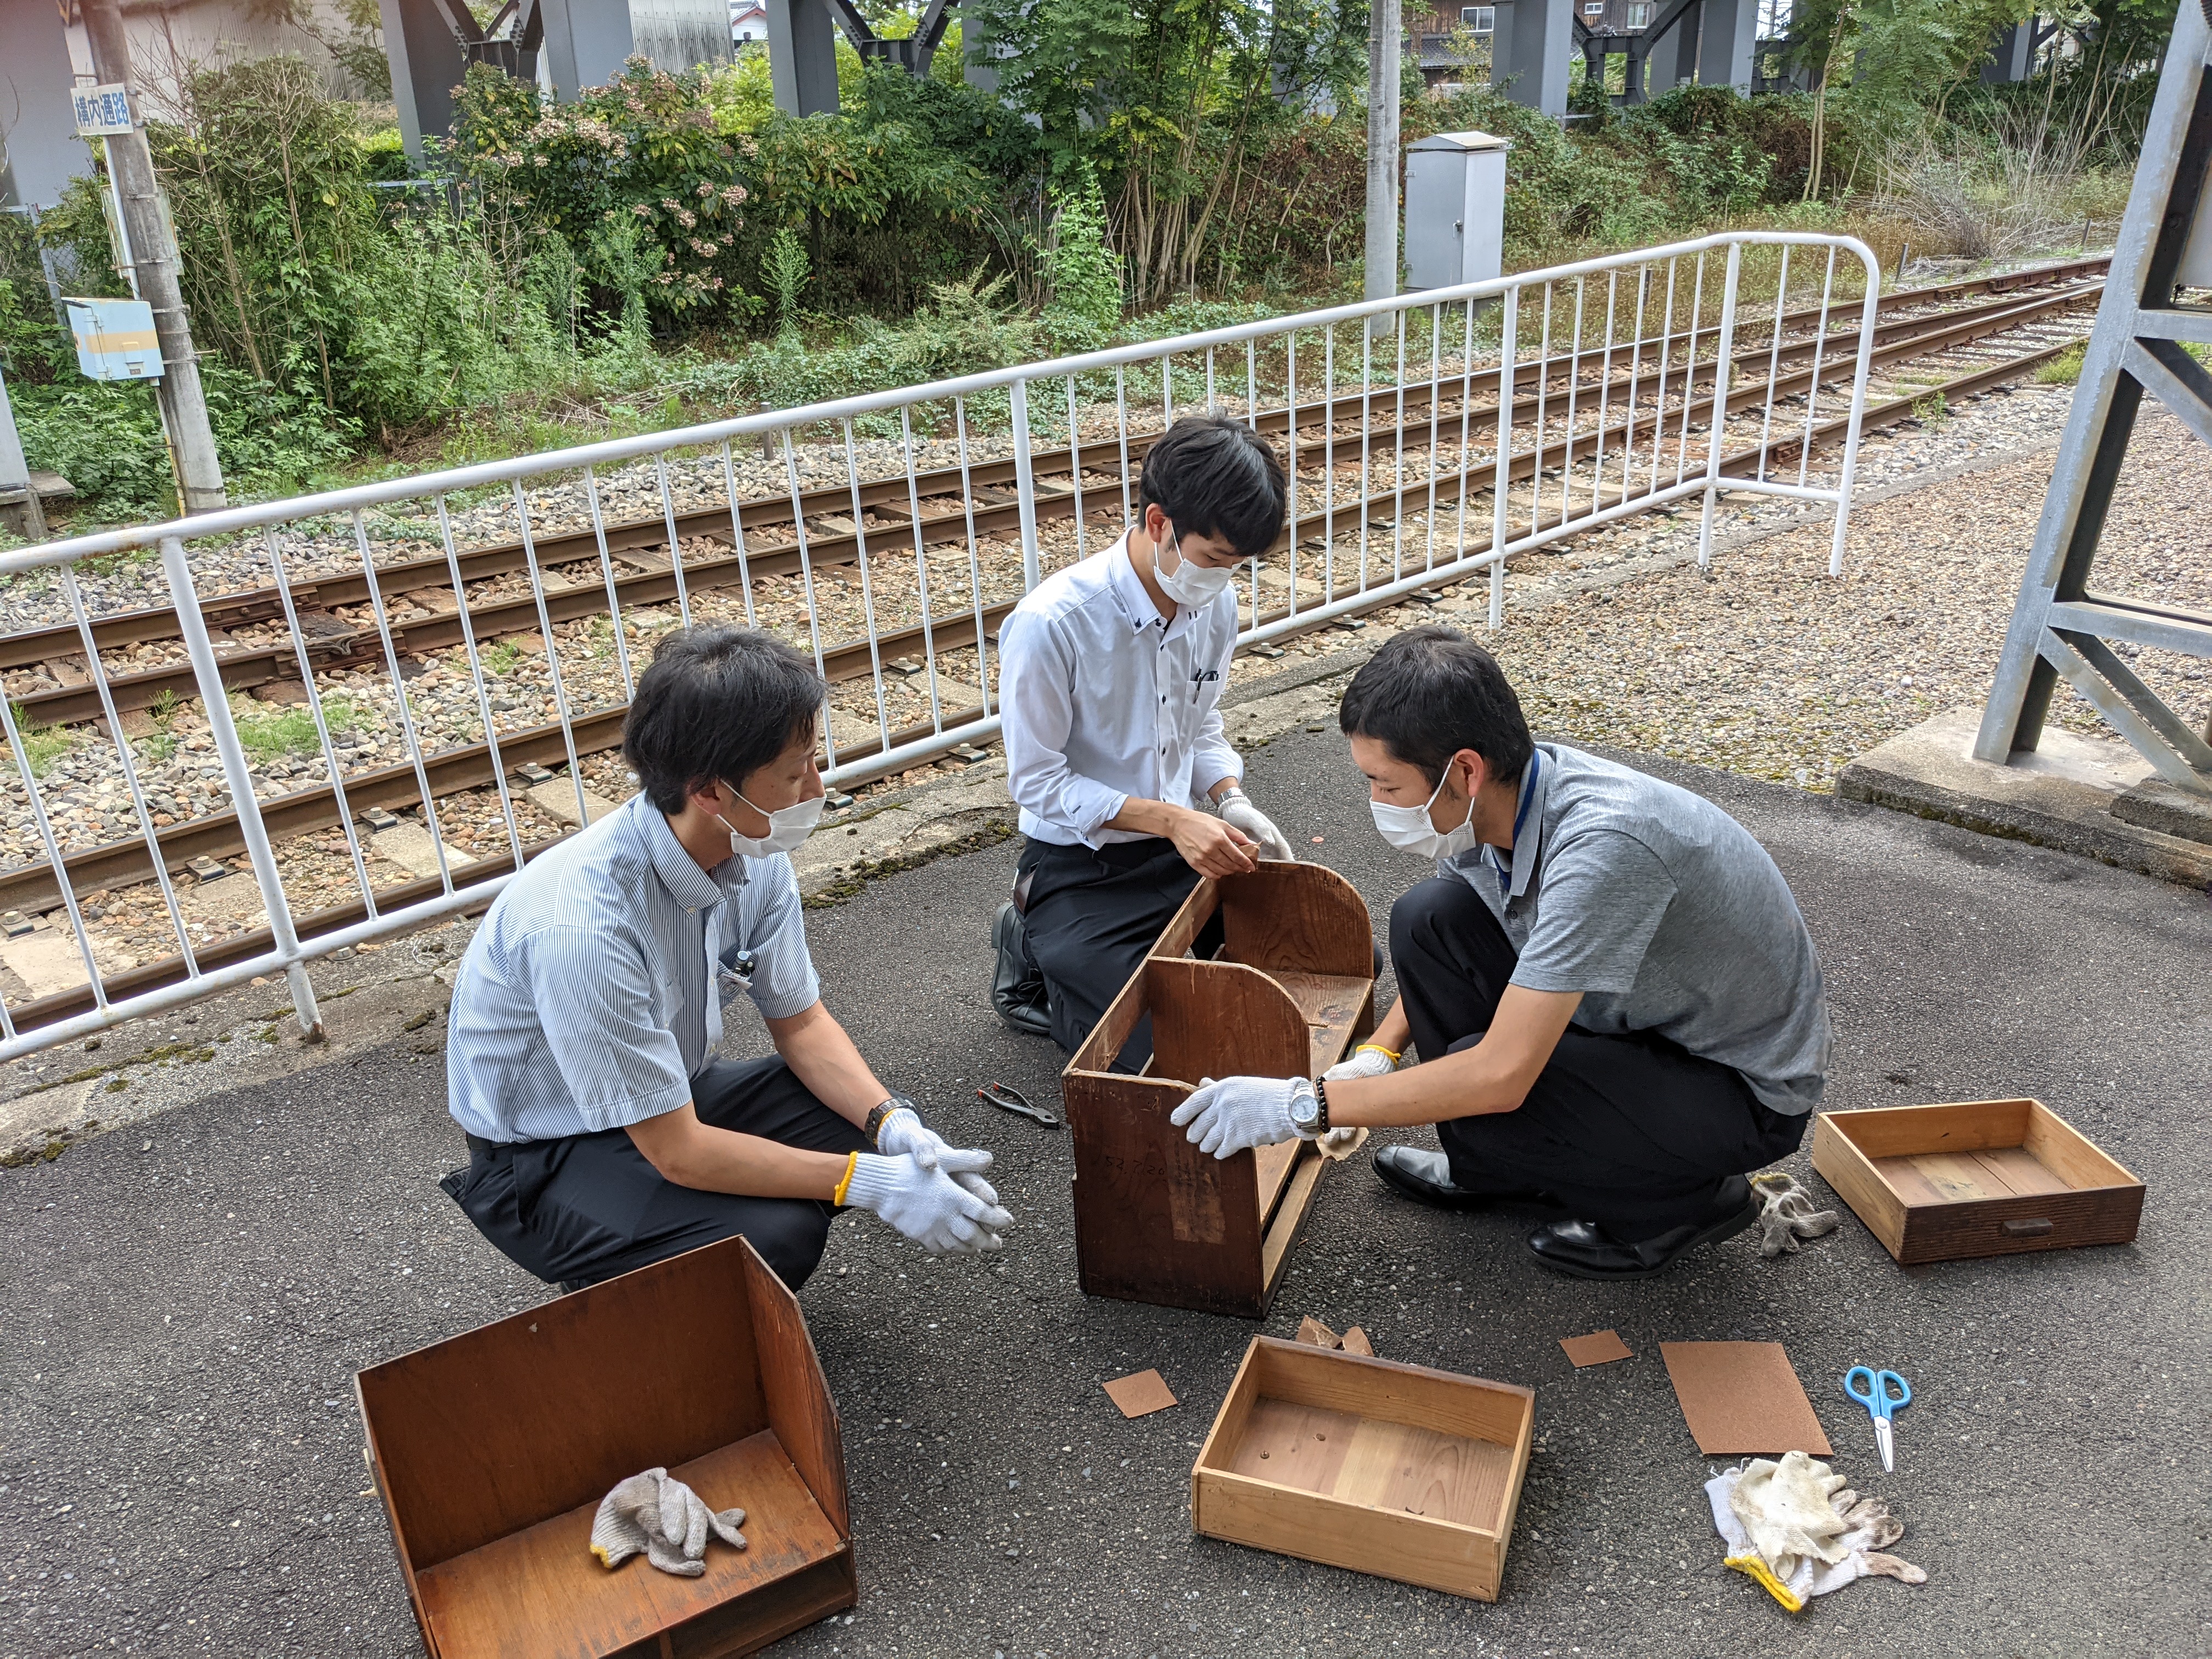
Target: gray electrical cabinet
{"points": [[1454, 208]]}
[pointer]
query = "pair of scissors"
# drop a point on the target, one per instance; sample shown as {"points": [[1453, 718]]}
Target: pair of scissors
{"points": [[1883, 1393]]}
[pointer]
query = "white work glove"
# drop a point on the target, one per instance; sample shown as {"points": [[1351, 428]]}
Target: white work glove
{"points": [[1791, 1527], [903, 1131], [1368, 1059], [1237, 811], [1787, 1212], [1224, 1118], [925, 1205]]}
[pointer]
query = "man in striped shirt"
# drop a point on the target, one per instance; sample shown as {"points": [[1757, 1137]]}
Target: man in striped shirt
{"points": [[603, 1133]]}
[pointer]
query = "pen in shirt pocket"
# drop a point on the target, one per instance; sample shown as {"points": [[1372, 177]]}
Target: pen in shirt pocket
{"points": [[1198, 683]]}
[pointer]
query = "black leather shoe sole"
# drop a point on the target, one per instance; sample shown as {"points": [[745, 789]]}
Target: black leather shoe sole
{"points": [[1445, 1197], [1629, 1265], [1029, 1019]]}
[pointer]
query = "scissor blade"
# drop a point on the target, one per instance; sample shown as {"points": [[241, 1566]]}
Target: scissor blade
{"points": [[1886, 1438]]}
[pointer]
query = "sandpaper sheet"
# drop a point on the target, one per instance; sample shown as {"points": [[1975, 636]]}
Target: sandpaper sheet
{"points": [[1742, 1398], [1141, 1395], [1355, 1341], [1598, 1348]]}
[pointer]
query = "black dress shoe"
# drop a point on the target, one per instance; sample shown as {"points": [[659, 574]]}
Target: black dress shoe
{"points": [[1586, 1250], [1017, 989], [1426, 1177]]}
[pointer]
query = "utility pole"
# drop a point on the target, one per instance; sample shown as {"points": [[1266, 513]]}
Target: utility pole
{"points": [[153, 259], [1385, 47]]}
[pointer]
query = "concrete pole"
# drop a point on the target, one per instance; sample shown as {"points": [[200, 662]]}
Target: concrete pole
{"points": [[26, 518], [1386, 49], [153, 252]]}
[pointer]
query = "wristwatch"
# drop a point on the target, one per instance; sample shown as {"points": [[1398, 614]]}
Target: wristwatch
{"points": [[881, 1113], [1309, 1108]]}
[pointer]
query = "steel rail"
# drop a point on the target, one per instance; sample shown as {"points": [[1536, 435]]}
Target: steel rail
{"points": [[32, 646], [546, 742], [219, 835], [440, 626]]}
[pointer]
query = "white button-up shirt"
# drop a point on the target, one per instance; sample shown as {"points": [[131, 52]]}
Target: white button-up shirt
{"points": [[1103, 700]]}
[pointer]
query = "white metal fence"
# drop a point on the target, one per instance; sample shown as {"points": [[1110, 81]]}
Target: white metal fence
{"points": [[311, 723]]}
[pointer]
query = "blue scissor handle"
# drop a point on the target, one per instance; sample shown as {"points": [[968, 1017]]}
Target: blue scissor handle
{"points": [[1875, 1396]]}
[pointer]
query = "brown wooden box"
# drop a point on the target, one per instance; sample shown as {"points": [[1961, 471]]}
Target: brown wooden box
{"points": [[494, 1448], [1982, 1177], [1392, 1469], [1293, 989]]}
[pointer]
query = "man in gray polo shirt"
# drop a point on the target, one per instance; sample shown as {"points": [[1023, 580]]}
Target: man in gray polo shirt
{"points": [[1615, 1000], [604, 1133]]}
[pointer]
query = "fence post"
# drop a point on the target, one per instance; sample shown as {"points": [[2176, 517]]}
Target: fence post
{"points": [[1501, 472], [1026, 484], [1715, 428], [215, 699], [1868, 311]]}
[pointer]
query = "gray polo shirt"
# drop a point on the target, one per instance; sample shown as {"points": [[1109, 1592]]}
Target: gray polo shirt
{"points": [[593, 993], [1665, 914]]}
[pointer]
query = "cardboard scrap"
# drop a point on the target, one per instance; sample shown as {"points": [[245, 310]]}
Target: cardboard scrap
{"points": [[1598, 1348], [1141, 1395], [1742, 1398], [1315, 1334]]}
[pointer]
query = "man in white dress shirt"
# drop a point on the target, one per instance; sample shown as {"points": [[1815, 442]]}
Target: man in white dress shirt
{"points": [[1110, 677]]}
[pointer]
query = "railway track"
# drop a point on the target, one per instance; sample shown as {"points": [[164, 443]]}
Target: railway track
{"points": [[430, 617], [1778, 367]]}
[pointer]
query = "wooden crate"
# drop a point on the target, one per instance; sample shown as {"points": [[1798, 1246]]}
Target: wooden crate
{"points": [[493, 1450], [1397, 1470], [1982, 1177], [1292, 993]]}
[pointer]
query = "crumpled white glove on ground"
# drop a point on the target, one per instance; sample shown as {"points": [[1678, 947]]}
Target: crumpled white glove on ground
{"points": [[1786, 1213], [663, 1519], [1806, 1530]]}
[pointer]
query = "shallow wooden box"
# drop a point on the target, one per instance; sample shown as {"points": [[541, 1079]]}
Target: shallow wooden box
{"points": [[1292, 992], [1397, 1470], [493, 1450], [1983, 1177]]}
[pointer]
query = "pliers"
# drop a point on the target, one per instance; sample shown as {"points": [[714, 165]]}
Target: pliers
{"points": [[1009, 1099]]}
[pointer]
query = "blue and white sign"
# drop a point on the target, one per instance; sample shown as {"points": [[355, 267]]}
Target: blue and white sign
{"points": [[101, 110]]}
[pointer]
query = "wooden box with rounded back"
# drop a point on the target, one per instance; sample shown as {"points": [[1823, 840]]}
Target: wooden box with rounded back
{"points": [[1290, 992], [492, 1450]]}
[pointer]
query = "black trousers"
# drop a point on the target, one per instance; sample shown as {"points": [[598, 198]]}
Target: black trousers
{"points": [[1632, 1132], [1091, 917], [587, 1207]]}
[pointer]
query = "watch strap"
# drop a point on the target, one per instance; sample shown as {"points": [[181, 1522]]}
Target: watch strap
{"points": [[880, 1114]]}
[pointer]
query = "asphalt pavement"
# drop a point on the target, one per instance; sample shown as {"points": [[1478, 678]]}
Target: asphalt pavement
{"points": [[183, 1305]]}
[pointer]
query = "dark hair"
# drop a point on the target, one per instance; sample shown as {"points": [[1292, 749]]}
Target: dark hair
{"points": [[1213, 476], [1431, 692], [718, 701]]}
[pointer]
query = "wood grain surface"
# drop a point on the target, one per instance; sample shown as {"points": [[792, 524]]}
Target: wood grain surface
{"points": [[541, 1594]]}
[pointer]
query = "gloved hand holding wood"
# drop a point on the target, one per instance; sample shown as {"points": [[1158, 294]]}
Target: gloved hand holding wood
{"points": [[1796, 1527], [663, 1519], [903, 1131], [1786, 1213], [925, 1205], [1237, 810], [1226, 1117]]}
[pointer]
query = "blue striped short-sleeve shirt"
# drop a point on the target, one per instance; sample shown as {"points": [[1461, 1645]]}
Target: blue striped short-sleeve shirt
{"points": [[587, 1001]]}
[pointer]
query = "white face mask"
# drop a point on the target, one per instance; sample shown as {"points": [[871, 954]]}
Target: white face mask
{"points": [[787, 826], [1194, 584], [1409, 828]]}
